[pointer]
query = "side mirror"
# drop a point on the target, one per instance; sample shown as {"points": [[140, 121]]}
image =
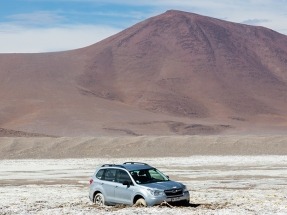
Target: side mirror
{"points": [[127, 183]]}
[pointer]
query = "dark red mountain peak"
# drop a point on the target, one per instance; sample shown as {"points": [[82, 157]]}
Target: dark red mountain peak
{"points": [[175, 73]]}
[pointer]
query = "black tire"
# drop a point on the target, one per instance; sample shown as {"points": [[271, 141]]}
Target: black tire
{"points": [[140, 203], [99, 199]]}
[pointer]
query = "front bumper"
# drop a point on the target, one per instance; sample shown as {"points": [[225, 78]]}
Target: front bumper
{"points": [[159, 199]]}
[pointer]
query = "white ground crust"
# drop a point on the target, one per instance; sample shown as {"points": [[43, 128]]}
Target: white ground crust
{"points": [[218, 185]]}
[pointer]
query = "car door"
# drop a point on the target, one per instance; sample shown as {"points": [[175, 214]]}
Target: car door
{"points": [[123, 193], [109, 184]]}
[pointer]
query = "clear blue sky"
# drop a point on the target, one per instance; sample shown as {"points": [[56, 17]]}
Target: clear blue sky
{"points": [[54, 25]]}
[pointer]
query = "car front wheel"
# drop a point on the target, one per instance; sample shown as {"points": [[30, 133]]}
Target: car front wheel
{"points": [[99, 199], [140, 202]]}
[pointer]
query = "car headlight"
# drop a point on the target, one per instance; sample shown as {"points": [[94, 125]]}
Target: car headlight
{"points": [[156, 192]]}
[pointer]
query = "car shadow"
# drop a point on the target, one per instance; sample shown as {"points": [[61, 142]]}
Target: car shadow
{"points": [[180, 204], [193, 205]]}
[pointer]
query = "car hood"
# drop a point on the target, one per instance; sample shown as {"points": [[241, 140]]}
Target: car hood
{"points": [[164, 185]]}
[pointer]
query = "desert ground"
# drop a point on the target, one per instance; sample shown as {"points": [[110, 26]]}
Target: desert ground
{"points": [[141, 146], [217, 184], [220, 182]]}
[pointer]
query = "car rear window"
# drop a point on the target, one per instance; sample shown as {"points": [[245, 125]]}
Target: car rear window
{"points": [[99, 174], [110, 175]]}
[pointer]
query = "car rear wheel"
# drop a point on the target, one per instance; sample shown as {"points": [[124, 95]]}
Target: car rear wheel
{"points": [[99, 199], [140, 202]]}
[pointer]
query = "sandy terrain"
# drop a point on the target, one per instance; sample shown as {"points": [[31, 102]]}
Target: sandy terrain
{"points": [[218, 185], [225, 174], [144, 146]]}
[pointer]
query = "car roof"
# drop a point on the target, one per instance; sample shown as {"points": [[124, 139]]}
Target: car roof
{"points": [[130, 166]]}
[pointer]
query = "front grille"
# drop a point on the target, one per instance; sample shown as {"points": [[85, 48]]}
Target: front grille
{"points": [[173, 192]]}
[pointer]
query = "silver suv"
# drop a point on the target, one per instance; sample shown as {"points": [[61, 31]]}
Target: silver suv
{"points": [[134, 183]]}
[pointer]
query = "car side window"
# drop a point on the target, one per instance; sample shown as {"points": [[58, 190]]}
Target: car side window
{"points": [[99, 174], [110, 175], [123, 176]]}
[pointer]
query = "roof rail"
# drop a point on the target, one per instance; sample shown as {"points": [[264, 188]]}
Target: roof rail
{"points": [[136, 163], [111, 165]]}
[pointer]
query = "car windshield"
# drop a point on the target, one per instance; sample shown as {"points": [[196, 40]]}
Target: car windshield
{"points": [[145, 176]]}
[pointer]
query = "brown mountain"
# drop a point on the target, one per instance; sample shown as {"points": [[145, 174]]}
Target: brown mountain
{"points": [[176, 73]]}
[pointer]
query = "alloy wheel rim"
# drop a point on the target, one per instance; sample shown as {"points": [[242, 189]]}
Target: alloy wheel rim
{"points": [[99, 200]]}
